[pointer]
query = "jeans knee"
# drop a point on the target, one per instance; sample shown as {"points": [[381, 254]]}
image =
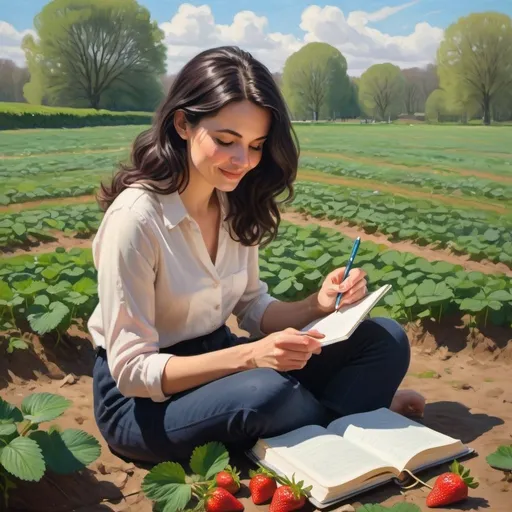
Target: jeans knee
{"points": [[395, 339], [275, 402]]}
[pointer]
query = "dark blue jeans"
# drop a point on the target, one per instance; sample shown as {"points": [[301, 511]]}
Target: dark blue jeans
{"points": [[359, 374]]}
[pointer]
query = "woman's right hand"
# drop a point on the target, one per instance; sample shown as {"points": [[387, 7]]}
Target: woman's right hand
{"points": [[286, 350]]}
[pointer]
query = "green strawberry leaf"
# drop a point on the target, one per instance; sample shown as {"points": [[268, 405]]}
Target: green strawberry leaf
{"points": [[22, 458], [9, 413], [67, 451], [398, 507], [7, 429], [209, 459], [166, 485], [39, 407], [501, 458], [46, 321]]}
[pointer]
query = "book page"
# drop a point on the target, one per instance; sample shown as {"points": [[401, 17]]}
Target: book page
{"points": [[339, 325], [327, 458], [394, 437]]}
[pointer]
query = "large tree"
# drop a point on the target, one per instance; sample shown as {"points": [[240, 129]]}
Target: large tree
{"points": [[315, 81], [381, 90], [475, 59], [88, 49]]}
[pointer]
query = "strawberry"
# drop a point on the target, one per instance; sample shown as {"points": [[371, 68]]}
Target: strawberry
{"points": [[217, 499], [262, 485], [289, 496], [229, 479], [451, 486]]}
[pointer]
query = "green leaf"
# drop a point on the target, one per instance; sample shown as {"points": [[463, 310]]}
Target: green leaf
{"points": [[9, 412], [7, 429], [67, 451], [165, 484], [16, 344], [46, 321], [23, 458], [398, 507], [282, 287], [209, 459], [19, 228], [501, 458], [39, 407]]}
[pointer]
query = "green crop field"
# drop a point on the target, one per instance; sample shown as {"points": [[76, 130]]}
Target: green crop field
{"points": [[449, 188]]}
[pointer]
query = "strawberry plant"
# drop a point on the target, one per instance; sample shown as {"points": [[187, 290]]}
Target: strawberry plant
{"points": [[26, 452], [172, 489], [502, 459]]}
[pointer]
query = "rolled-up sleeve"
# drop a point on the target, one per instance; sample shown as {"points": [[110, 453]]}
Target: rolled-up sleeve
{"points": [[255, 300], [126, 258]]}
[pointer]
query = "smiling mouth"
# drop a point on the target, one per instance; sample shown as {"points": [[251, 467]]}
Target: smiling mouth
{"points": [[230, 174]]}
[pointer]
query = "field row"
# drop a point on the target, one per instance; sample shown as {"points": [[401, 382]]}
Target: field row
{"points": [[52, 290], [481, 235]]}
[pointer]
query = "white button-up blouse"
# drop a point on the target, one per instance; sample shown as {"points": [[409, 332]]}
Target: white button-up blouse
{"points": [[157, 286]]}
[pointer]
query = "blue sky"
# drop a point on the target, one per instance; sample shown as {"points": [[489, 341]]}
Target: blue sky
{"points": [[284, 15], [405, 32]]}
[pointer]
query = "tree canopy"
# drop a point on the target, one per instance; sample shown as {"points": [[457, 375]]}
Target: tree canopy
{"points": [[89, 51], [315, 81], [475, 59], [381, 90]]}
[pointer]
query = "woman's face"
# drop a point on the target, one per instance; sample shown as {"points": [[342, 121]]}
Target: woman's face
{"points": [[224, 148]]}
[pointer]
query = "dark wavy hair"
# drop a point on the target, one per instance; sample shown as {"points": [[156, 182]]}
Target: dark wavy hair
{"points": [[206, 84]]}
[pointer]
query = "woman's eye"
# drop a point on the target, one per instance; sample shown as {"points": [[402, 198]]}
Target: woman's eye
{"points": [[259, 148], [222, 143]]}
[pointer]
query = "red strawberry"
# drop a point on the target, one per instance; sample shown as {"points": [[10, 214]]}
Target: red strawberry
{"points": [[220, 500], [451, 486], [262, 485], [229, 479], [289, 496]]}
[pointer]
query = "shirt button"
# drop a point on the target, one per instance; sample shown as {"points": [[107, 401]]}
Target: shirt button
{"points": [[217, 306], [215, 284]]}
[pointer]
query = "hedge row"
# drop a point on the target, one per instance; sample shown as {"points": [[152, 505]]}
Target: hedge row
{"points": [[16, 116]]}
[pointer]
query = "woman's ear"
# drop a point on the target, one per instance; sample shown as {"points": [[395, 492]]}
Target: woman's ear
{"points": [[180, 124]]}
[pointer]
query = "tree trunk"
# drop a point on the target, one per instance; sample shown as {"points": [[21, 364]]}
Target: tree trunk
{"points": [[486, 104], [95, 101]]}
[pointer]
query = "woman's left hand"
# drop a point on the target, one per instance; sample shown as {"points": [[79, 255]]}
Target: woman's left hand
{"points": [[353, 288]]}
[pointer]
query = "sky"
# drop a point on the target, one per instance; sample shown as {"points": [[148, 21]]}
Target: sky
{"points": [[406, 33]]}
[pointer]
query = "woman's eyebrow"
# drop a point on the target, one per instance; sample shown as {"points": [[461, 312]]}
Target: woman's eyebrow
{"points": [[236, 134]]}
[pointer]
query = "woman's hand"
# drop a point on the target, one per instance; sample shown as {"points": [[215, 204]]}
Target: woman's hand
{"points": [[286, 350], [353, 288]]}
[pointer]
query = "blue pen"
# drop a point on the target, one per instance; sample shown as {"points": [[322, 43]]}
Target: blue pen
{"points": [[348, 267]]}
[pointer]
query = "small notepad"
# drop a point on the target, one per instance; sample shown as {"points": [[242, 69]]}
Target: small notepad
{"points": [[340, 325]]}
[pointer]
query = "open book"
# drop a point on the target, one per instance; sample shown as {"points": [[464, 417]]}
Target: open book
{"points": [[355, 453], [340, 325]]}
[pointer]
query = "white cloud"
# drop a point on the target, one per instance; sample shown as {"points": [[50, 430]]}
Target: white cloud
{"points": [[10, 43], [193, 28]]}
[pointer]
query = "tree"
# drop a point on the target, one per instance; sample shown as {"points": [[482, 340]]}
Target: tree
{"points": [[12, 80], [86, 49], [381, 90], [475, 59], [315, 80]]}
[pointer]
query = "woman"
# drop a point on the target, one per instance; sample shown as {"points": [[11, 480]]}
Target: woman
{"points": [[177, 253]]}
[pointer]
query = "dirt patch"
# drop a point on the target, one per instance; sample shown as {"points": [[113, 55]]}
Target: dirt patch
{"points": [[402, 167], [462, 401], [408, 192], [430, 254], [44, 203], [70, 152], [36, 247]]}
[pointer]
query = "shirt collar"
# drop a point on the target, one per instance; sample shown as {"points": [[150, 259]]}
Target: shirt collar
{"points": [[174, 210]]}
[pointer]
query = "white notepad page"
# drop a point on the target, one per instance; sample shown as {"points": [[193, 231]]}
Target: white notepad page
{"points": [[340, 325]]}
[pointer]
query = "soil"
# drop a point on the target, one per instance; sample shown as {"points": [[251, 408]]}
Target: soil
{"points": [[403, 167], [464, 377], [37, 247], [70, 152], [427, 252], [403, 191], [45, 203]]}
